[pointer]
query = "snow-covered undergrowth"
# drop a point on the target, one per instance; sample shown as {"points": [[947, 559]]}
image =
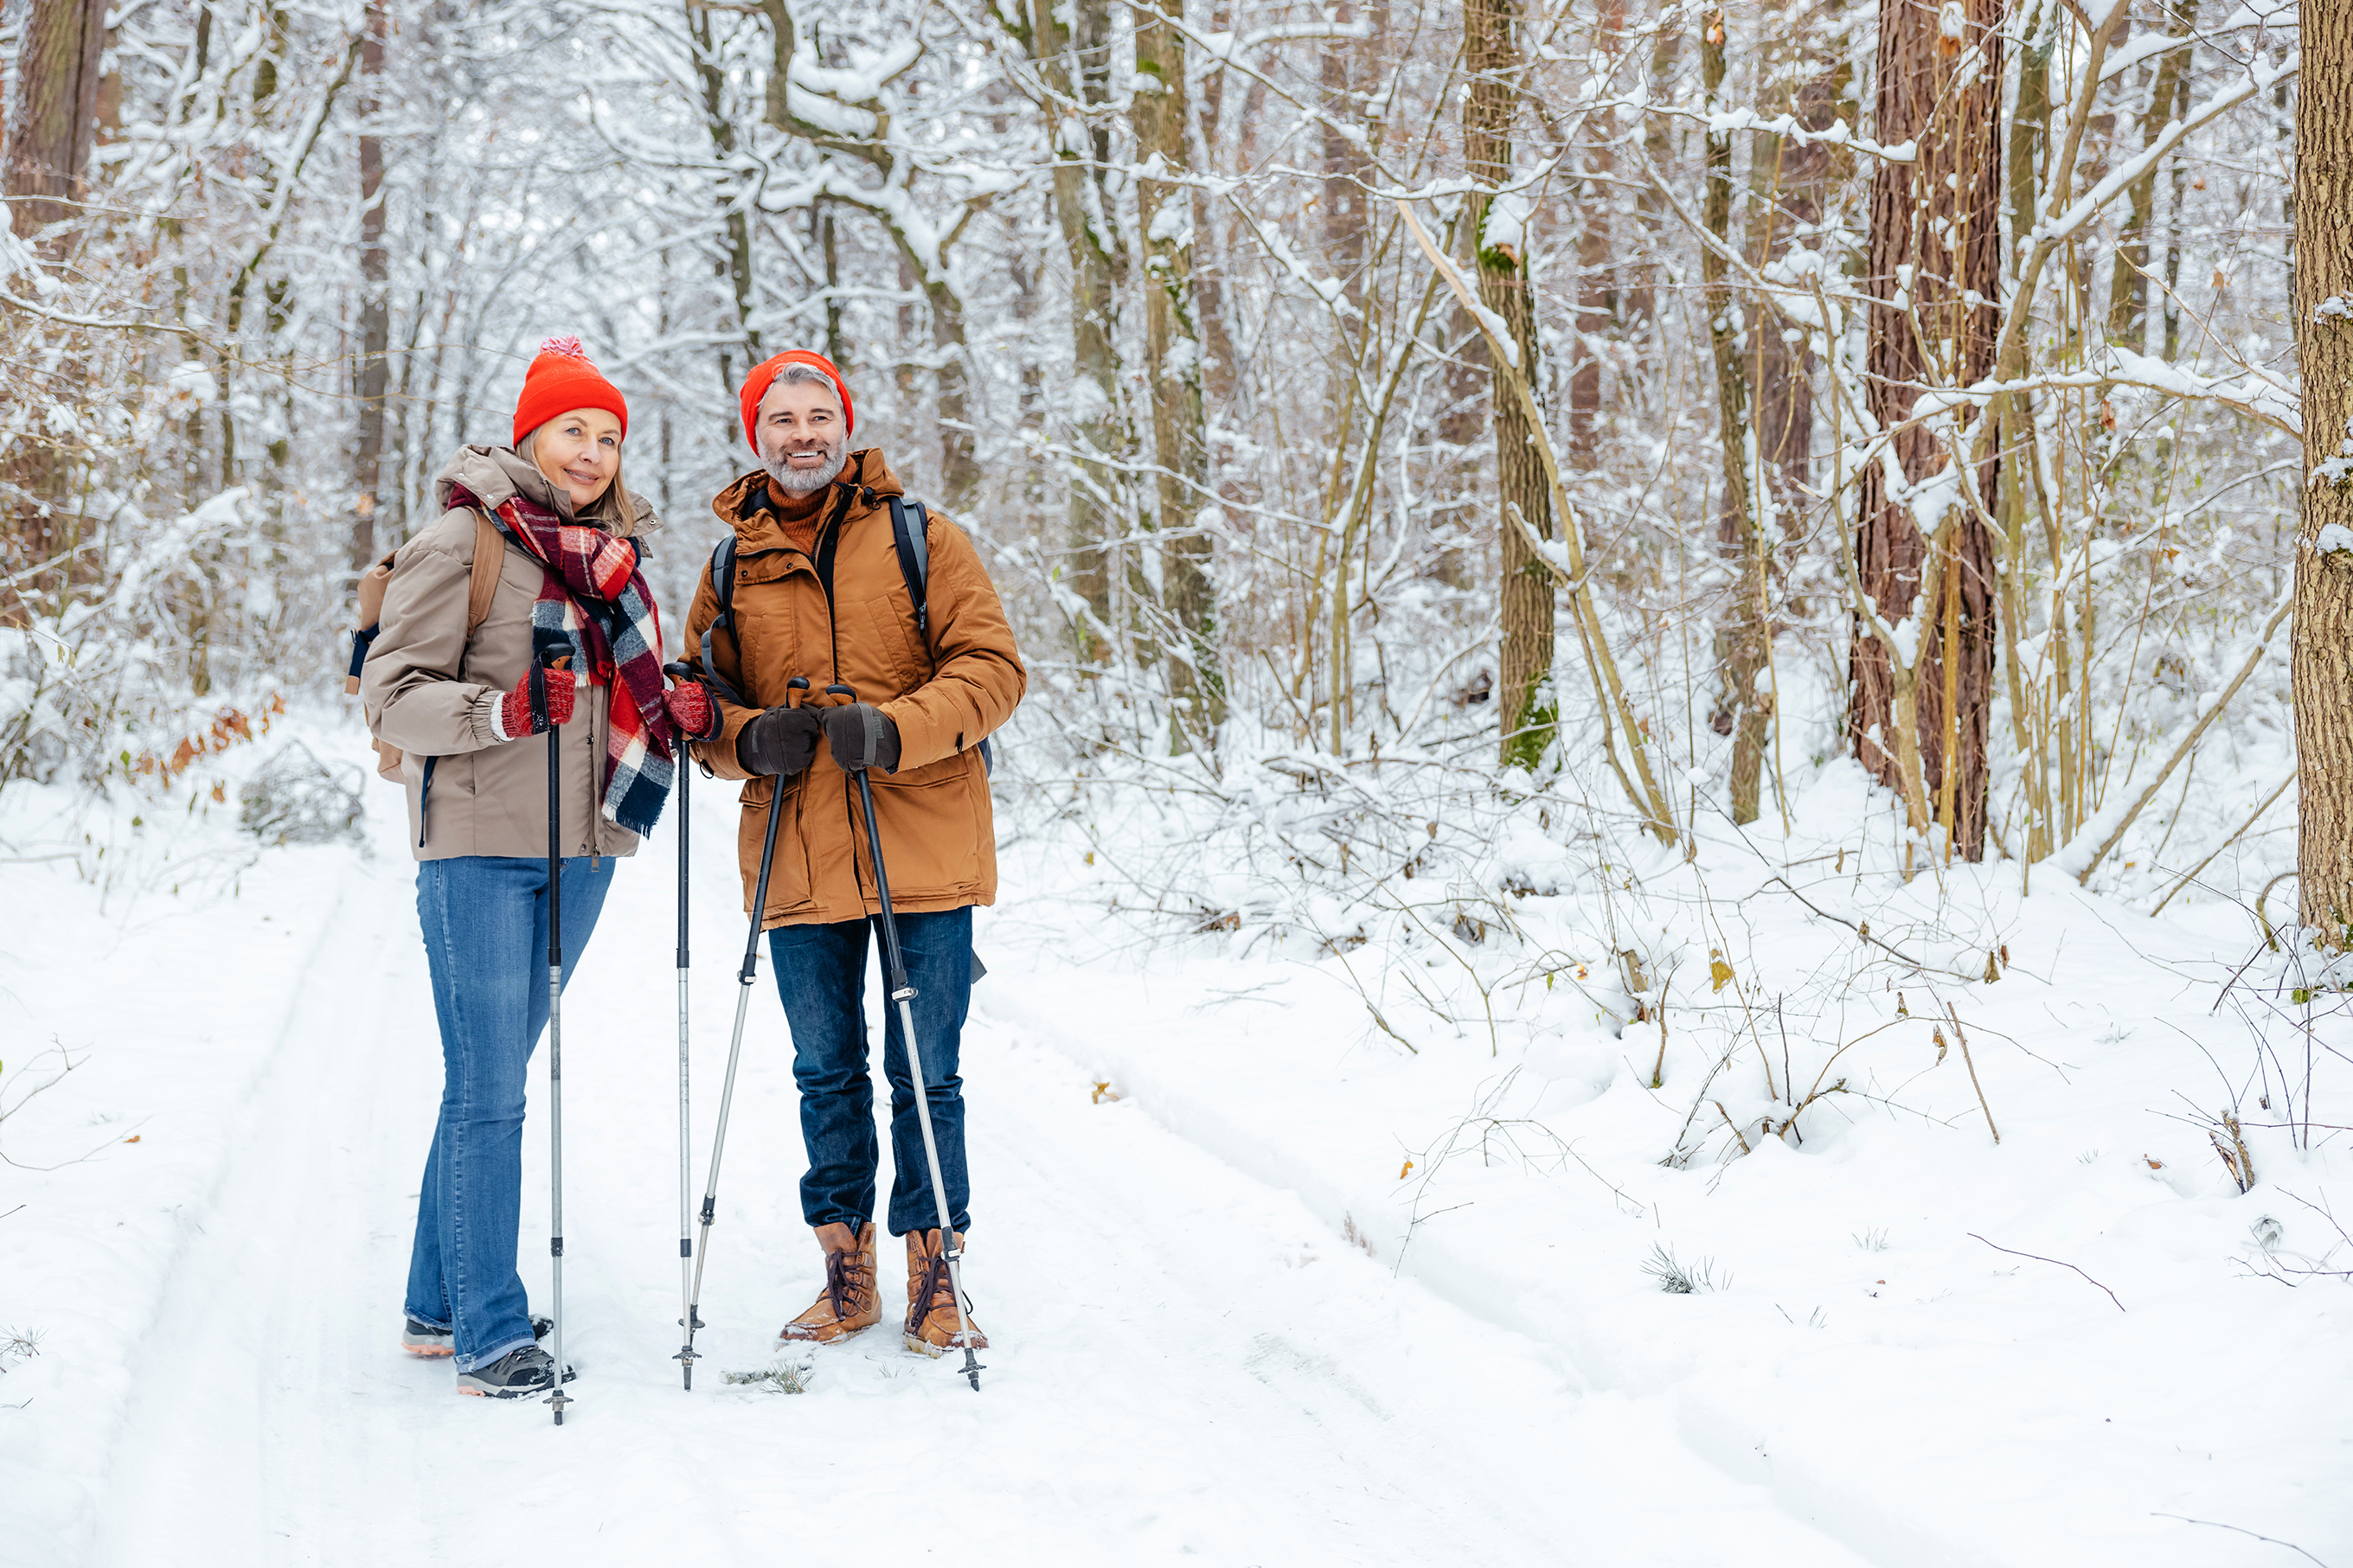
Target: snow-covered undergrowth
{"points": [[2012, 1216]]}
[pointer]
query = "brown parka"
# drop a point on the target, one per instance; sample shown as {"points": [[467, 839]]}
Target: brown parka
{"points": [[429, 687], [945, 692]]}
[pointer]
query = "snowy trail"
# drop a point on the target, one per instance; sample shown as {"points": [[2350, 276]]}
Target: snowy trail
{"points": [[1188, 1364]]}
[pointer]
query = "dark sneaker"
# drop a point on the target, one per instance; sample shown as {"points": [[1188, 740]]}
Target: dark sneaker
{"points": [[517, 1375], [424, 1339]]}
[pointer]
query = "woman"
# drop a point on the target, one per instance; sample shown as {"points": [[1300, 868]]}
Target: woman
{"points": [[454, 700]]}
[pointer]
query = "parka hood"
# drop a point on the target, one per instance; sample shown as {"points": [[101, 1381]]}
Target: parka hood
{"points": [[495, 475]]}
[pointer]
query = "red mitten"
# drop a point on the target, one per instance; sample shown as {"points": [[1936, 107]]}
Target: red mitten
{"points": [[512, 717], [692, 712]]}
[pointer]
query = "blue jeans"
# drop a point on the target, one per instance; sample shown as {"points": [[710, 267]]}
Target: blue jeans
{"points": [[821, 975], [485, 920]]}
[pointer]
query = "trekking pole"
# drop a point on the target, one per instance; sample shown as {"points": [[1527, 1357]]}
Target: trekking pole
{"points": [[681, 673], [895, 971], [793, 688], [539, 675]]}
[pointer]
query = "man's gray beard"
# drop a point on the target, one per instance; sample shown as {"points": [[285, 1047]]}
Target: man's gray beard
{"points": [[802, 481]]}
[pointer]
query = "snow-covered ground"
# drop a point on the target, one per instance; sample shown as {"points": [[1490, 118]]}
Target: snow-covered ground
{"points": [[1232, 1324]]}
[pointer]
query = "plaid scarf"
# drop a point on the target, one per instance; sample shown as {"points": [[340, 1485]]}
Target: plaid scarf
{"points": [[595, 607]]}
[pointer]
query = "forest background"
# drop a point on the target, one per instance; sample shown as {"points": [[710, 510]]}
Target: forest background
{"points": [[1662, 400]]}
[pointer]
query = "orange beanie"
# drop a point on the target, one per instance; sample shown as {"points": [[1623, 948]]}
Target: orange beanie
{"points": [[560, 380], [756, 388]]}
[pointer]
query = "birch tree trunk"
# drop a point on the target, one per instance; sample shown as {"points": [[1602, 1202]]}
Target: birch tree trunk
{"points": [[2322, 652], [1934, 253], [1526, 715], [1172, 348]]}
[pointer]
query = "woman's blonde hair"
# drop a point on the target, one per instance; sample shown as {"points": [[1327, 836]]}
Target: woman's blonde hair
{"points": [[616, 511]]}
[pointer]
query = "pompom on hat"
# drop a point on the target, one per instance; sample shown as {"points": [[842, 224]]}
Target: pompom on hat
{"points": [[560, 380], [757, 384]]}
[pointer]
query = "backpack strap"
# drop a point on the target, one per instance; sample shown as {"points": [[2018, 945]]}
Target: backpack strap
{"points": [[723, 589], [482, 587], [482, 584], [913, 544]]}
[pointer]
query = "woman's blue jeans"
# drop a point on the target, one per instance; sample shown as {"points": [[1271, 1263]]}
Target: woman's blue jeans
{"points": [[821, 975], [485, 920]]}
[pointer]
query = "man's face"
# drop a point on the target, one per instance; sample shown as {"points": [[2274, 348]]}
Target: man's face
{"points": [[803, 440]]}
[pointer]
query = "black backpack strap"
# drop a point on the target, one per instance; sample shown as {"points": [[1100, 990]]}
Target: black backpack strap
{"points": [[914, 546], [723, 588]]}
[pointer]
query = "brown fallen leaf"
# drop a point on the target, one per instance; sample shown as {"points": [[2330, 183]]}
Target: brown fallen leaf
{"points": [[133, 1139]]}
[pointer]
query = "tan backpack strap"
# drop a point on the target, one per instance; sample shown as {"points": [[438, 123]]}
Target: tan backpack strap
{"points": [[490, 555]]}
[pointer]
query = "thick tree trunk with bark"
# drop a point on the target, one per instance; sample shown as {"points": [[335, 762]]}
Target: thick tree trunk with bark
{"points": [[1526, 715], [2323, 646], [56, 120], [375, 309], [1936, 245], [1172, 348]]}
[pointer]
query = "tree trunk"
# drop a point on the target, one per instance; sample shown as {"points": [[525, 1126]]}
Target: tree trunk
{"points": [[1073, 59], [1936, 222], [1527, 714], [375, 312], [1742, 630], [959, 465], [55, 122], [2128, 286], [1172, 347], [2323, 647], [734, 267]]}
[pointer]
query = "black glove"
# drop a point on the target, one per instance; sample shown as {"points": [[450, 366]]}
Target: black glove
{"points": [[781, 742], [862, 736]]}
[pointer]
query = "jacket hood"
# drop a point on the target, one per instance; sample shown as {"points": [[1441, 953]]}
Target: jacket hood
{"points": [[497, 474], [865, 474]]}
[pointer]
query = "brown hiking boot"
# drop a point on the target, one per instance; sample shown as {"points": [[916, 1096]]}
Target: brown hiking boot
{"points": [[848, 1301], [931, 1299]]}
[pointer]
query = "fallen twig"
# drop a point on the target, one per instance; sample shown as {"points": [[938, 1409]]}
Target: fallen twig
{"points": [[1865, 935], [2217, 1524], [1963, 1036], [2191, 875], [2037, 1257]]}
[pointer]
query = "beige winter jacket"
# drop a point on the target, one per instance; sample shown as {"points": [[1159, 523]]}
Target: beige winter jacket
{"points": [[430, 690]]}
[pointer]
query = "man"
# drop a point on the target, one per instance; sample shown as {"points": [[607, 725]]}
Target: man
{"points": [[820, 593]]}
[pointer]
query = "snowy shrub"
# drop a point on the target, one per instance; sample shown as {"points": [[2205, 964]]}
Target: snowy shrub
{"points": [[295, 798]]}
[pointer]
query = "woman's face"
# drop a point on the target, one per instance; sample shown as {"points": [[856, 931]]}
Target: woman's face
{"points": [[579, 452]]}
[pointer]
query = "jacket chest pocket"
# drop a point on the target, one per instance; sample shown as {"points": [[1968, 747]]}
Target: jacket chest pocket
{"points": [[781, 635], [886, 633]]}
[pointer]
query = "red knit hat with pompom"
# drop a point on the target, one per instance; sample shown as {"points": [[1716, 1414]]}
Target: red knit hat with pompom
{"points": [[756, 388], [560, 380]]}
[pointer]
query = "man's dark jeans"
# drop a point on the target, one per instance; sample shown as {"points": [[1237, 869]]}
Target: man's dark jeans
{"points": [[821, 975]]}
